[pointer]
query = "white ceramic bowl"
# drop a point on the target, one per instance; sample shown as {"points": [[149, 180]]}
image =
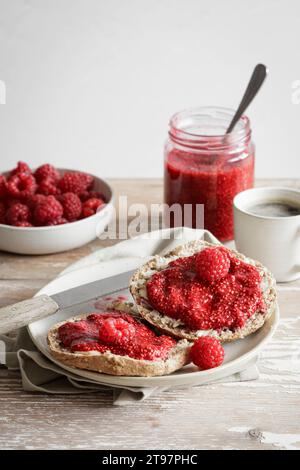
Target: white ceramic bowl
{"points": [[54, 239]]}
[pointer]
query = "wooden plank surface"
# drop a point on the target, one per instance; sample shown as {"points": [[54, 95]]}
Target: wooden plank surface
{"points": [[263, 414]]}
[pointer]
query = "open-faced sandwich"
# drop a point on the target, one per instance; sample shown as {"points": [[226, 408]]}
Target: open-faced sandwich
{"points": [[203, 289], [117, 342], [187, 303]]}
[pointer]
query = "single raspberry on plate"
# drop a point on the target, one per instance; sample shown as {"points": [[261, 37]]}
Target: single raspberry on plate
{"points": [[23, 224], [48, 187], [2, 213], [17, 213], [21, 186], [91, 206], [116, 331], [21, 167], [72, 206], [212, 264], [58, 221], [75, 182], [207, 352], [48, 211], [46, 171], [3, 189]]}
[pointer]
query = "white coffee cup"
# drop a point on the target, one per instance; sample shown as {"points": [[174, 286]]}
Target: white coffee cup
{"points": [[274, 241]]}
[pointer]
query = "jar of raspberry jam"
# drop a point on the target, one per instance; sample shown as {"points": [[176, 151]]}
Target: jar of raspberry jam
{"points": [[203, 166]]}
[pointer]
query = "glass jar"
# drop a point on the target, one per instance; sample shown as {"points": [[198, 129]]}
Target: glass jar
{"points": [[205, 166]]}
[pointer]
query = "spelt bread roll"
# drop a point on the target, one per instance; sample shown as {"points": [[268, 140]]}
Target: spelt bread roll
{"points": [[177, 328], [112, 364]]}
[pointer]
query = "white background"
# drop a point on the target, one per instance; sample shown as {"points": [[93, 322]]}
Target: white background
{"points": [[91, 83]]}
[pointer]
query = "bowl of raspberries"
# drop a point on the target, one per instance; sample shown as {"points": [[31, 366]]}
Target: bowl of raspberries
{"points": [[49, 210]]}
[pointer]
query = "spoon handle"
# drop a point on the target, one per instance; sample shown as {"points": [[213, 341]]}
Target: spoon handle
{"points": [[258, 76]]}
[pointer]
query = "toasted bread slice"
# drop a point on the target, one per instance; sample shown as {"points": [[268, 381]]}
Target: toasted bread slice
{"points": [[113, 364], [177, 328]]}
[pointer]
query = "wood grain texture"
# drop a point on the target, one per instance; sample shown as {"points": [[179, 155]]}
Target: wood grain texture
{"points": [[22, 313], [263, 414]]}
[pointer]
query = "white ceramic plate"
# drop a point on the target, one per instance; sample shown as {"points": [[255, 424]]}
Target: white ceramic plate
{"points": [[238, 355]]}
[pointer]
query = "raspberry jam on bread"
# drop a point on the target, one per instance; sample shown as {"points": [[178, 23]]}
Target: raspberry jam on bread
{"points": [[119, 333], [209, 290]]}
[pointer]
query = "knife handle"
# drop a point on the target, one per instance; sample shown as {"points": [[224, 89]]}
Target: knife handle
{"points": [[21, 314]]}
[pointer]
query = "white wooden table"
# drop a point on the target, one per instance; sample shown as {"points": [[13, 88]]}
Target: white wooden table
{"points": [[263, 414]]}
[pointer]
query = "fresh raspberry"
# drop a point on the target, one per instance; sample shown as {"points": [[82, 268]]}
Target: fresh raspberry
{"points": [[48, 211], [72, 206], [23, 224], [75, 182], [46, 171], [21, 167], [58, 221], [91, 195], [89, 180], [97, 195], [48, 187], [84, 196], [3, 189], [21, 186], [116, 331], [207, 352], [17, 213], [11, 202], [212, 264], [2, 213], [91, 206], [36, 199]]}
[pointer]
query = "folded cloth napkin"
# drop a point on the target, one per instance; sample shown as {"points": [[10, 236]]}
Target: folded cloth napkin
{"points": [[39, 374]]}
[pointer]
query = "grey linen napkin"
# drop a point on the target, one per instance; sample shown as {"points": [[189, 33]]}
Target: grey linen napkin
{"points": [[39, 374]]}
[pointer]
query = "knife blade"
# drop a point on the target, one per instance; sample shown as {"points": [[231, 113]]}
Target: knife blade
{"points": [[92, 290], [25, 312]]}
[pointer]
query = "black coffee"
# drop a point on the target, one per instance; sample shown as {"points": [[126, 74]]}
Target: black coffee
{"points": [[275, 209]]}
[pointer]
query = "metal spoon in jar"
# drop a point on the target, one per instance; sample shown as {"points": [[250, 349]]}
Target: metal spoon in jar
{"points": [[258, 77]]}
